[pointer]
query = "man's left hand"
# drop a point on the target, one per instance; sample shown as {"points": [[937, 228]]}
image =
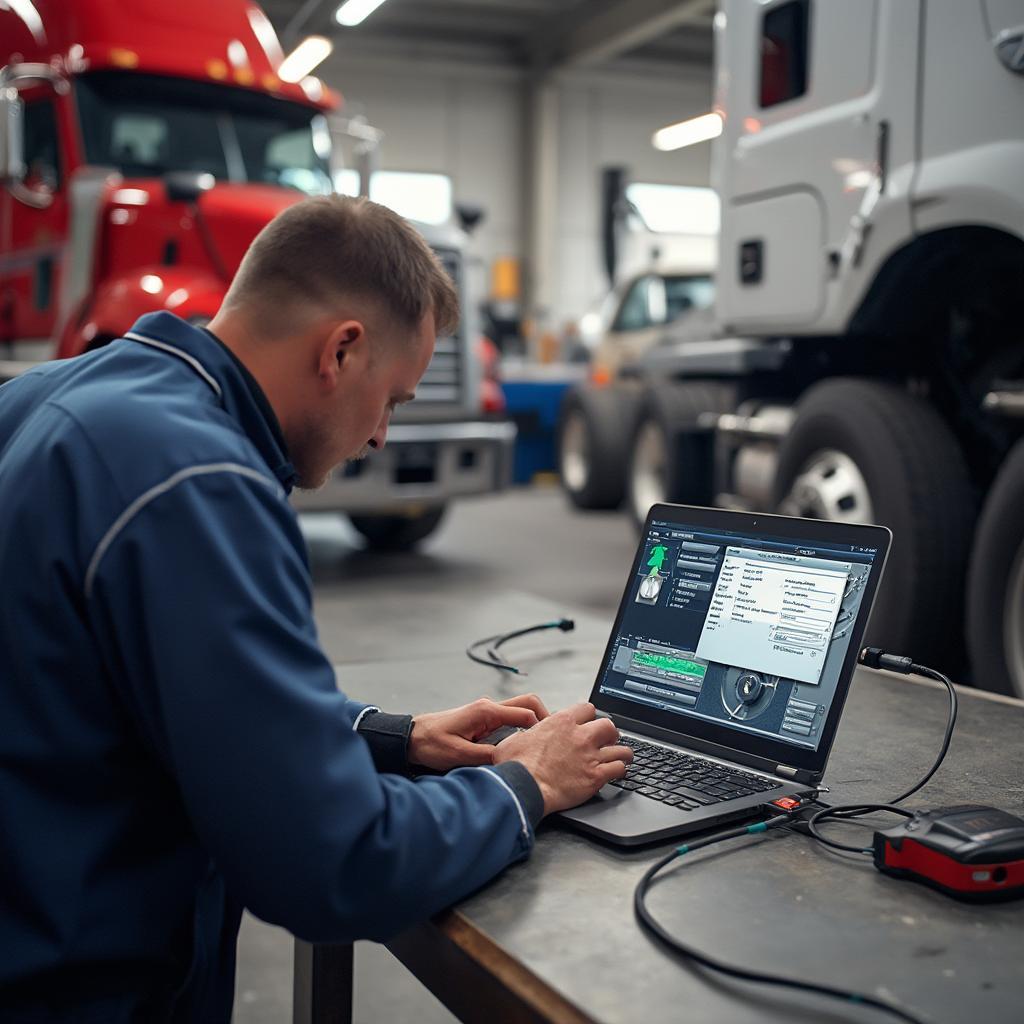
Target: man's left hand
{"points": [[447, 739]]}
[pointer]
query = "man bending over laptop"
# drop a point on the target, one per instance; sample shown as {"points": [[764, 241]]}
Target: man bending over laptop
{"points": [[174, 747]]}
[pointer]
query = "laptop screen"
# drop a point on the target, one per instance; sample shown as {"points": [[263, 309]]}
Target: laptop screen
{"points": [[744, 630]]}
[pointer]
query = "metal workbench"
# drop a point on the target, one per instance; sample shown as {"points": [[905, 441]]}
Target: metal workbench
{"points": [[554, 938]]}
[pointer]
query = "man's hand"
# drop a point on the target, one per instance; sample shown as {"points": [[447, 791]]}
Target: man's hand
{"points": [[571, 754], [447, 739]]}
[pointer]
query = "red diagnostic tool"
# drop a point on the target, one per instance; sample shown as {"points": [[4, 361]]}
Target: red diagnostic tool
{"points": [[970, 851]]}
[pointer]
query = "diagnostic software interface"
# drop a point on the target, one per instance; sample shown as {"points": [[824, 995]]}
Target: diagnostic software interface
{"points": [[750, 632]]}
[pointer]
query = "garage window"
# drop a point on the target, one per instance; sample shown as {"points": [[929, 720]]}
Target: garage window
{"points": [[784, 54], [413, 194], [675, 209]]}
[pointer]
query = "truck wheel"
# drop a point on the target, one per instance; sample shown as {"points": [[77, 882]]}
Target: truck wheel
{"points": [[995, 588], [397, 532], [670, 456], [862, 450], [593, 429]]}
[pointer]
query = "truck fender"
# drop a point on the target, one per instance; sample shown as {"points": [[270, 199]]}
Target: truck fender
{"points": [[120, 301], [980, 185]]}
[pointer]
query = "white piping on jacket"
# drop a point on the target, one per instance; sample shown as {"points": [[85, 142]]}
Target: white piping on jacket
{"points": [[191, 360], [154, 492], [362, 714], [512, 793]]}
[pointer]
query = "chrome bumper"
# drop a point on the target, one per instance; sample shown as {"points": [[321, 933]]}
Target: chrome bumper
{"points": [[421, 465]]}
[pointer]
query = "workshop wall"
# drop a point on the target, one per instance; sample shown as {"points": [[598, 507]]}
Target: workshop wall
{"points": [[457, 121], [608, 120], [468, 121]]}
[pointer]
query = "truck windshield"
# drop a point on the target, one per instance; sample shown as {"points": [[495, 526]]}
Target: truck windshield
{"points": [[655, 300], [147, 125]]}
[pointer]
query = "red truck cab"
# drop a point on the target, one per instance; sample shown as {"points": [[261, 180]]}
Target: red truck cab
{"points": [[127, 122], [141, 151]]}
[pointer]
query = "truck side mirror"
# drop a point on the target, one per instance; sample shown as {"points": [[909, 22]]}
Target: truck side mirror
{"points": [[187, 186], [470, 217], [12, 136]]}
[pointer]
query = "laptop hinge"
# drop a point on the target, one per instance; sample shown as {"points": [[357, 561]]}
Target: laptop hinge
{"points": [[784, 769]]}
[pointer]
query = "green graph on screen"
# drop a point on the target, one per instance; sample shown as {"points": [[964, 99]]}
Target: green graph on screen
{"points": [[669, 663]]}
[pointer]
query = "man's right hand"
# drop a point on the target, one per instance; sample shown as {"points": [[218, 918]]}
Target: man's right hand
{"points": [[571, 754]]}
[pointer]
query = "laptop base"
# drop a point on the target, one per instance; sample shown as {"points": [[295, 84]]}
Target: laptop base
{"points": [[628, 819]]}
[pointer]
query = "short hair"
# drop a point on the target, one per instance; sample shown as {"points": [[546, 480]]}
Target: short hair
{"points": [[331, 247]]}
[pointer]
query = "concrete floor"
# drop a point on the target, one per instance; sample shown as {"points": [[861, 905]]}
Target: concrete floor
{"points": [[369, 607]]}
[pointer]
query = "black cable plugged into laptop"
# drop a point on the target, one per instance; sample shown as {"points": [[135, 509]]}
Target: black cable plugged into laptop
{"points": [[648, 922], [798, 816], [874, 657]]}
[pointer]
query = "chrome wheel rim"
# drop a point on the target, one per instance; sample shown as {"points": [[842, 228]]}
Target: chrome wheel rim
{"points": [[1013, 624], [830, 486], [650, 459], [575, 454]]}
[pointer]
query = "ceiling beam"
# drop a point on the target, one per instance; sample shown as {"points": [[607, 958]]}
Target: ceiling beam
{"points": [[617, 29]]}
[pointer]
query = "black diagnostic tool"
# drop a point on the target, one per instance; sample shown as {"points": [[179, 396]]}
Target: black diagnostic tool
{"points": [[971, 851]]}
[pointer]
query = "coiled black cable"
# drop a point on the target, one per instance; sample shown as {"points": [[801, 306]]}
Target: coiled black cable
{"points": [[873, 658], [670, 942], [495, 660]]}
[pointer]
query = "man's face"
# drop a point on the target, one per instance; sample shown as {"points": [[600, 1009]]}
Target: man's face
{"points": [[352, 418]]}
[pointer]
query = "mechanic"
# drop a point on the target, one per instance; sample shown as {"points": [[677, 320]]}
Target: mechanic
{"points": [[173, 745]]}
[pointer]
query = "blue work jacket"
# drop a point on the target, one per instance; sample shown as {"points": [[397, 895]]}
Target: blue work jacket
{"points": [[173, 744]]}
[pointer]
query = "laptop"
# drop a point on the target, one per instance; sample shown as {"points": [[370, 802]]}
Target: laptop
{"points": [[728, 666]]}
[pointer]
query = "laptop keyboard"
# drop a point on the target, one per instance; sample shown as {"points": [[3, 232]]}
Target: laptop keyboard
{"points": [[681, 780]]}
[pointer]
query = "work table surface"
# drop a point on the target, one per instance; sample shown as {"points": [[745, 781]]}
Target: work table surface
{"points": [[779, 903]]}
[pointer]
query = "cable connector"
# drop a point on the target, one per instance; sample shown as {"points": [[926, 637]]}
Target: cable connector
{"points": [[794, 810], [875, 657], [565, 625]]}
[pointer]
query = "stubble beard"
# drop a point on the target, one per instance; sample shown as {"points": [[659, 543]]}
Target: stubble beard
{"points": [[310, 450]]}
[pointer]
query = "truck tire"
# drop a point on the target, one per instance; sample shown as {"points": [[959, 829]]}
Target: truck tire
{"points": [[995, 588], [397, 532], [864, 450], [670, 456], [594, 425]]}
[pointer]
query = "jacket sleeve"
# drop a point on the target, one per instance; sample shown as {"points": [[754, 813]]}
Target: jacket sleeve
{"points": [[202, 602]]}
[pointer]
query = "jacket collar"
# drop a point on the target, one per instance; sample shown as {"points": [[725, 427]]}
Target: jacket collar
{"points": [[237, 392]]}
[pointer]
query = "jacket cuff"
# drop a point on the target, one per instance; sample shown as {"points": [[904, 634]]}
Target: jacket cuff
{"points": [[524, 787], [387, 737]]}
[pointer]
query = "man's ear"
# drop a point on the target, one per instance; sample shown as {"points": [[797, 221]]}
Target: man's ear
{"points": [[344, 343]]}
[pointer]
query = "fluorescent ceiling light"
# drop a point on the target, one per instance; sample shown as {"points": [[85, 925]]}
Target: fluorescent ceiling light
{"points": [[688, 133], [351, 12], [310, 52]]}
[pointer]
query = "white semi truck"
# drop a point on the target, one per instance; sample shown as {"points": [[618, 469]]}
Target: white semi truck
{"points": [[865, 360]]}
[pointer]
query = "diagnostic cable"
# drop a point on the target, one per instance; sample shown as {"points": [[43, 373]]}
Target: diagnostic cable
{"points": [[796, 818], [872, 657], [495, 660]]}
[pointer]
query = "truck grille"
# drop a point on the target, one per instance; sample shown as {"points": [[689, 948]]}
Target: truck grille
{"points": [[443, 380]]}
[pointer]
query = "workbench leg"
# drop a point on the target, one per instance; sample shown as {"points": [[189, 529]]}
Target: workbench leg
{"points": [[322, 990]]}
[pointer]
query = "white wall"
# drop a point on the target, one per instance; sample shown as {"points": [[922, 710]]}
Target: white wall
{"points": [[607, 121], [464, 124], [469, 121]]}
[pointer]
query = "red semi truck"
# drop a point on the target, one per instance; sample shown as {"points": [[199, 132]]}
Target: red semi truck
{"points": [[141, 150]]}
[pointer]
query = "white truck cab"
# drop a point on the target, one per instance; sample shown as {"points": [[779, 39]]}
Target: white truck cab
{"points": [[865, 360]]}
